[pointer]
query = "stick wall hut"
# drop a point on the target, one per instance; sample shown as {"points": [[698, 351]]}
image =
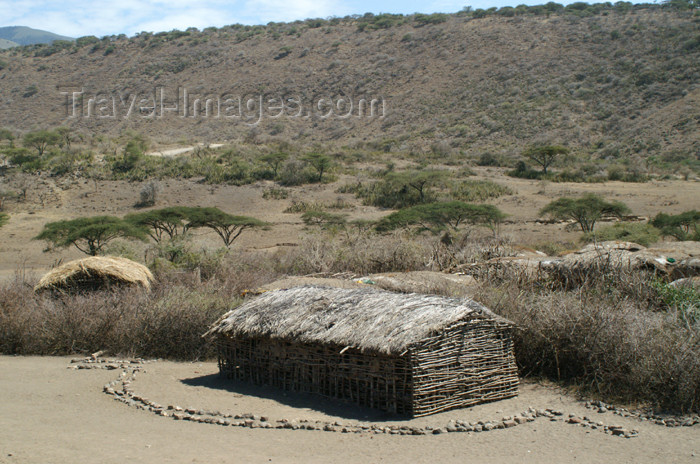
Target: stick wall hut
{"points": [[408, 354]]}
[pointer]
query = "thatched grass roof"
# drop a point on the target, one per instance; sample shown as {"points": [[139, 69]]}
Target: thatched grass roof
{"points": [[291, 282], [428, 282], [96, 272], [363, 318]]}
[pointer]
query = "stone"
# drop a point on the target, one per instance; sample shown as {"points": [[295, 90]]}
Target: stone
{"points": [[520, 420], [509, 424], [574, 420]]}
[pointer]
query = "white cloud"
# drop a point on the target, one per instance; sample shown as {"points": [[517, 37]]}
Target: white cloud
{"points": [[100, 17], [289, 10]]}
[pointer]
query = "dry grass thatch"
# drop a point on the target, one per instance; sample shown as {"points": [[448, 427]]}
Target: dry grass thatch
{"points": [[96, 272], [364, 319], [428, 282], [291, 282]]}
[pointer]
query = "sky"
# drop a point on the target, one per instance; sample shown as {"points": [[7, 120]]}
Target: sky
{"points": [[75, 18]]}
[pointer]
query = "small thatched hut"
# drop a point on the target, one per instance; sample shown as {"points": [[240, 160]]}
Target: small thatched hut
{"points": [[96, 272], [409, 354]]}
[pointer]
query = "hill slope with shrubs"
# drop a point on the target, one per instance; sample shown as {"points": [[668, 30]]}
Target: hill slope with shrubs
{"points": [[613, 81]]}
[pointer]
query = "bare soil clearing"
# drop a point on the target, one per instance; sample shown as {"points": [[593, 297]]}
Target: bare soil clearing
{"points": [[59, 415]]}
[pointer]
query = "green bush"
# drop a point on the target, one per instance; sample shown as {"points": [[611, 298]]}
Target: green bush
{"points": [[425, 19], [478, 190], [400, 189], [683, 226], [643, 234], [681, 300], [275, 193]]}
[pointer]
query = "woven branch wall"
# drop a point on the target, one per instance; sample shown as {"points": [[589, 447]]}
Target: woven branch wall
{"points": [[376, 381], [468, 363]]}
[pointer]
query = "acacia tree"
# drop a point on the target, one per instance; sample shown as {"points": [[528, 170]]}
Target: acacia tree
{"points": [[585, 211], [545, 155], [440, 216], [88, 234], [320, 162], [171, 222], [66, 137], [274, 160], [406, 188], [227, 226], [420, 181], [683, 226], [40, 140]]}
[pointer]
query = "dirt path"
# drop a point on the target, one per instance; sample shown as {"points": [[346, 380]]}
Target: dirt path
{"points": [[181, 151], [59, 415]]}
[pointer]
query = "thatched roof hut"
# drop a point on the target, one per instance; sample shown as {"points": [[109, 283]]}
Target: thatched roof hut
{"points": [[96, 272], [406, 353]]}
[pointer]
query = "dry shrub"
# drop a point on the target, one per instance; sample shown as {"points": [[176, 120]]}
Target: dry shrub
{"points": [[356, 252], [166, 322], [610, 344]]}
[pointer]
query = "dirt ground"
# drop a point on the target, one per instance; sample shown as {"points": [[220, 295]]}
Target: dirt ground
{"points": [[59, 415], [50, 199]]}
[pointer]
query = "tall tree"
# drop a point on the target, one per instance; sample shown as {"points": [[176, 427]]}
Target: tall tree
{"points": [[227, 226], [441, 216], [585, 211], [161, 223], [88, 234]]}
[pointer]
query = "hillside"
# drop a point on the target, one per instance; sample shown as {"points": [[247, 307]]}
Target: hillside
{"points": [[613, 82], [7, 43], [23, 35]]}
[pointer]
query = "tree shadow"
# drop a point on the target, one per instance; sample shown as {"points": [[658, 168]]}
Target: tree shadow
{"points": [[329, 406]]}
